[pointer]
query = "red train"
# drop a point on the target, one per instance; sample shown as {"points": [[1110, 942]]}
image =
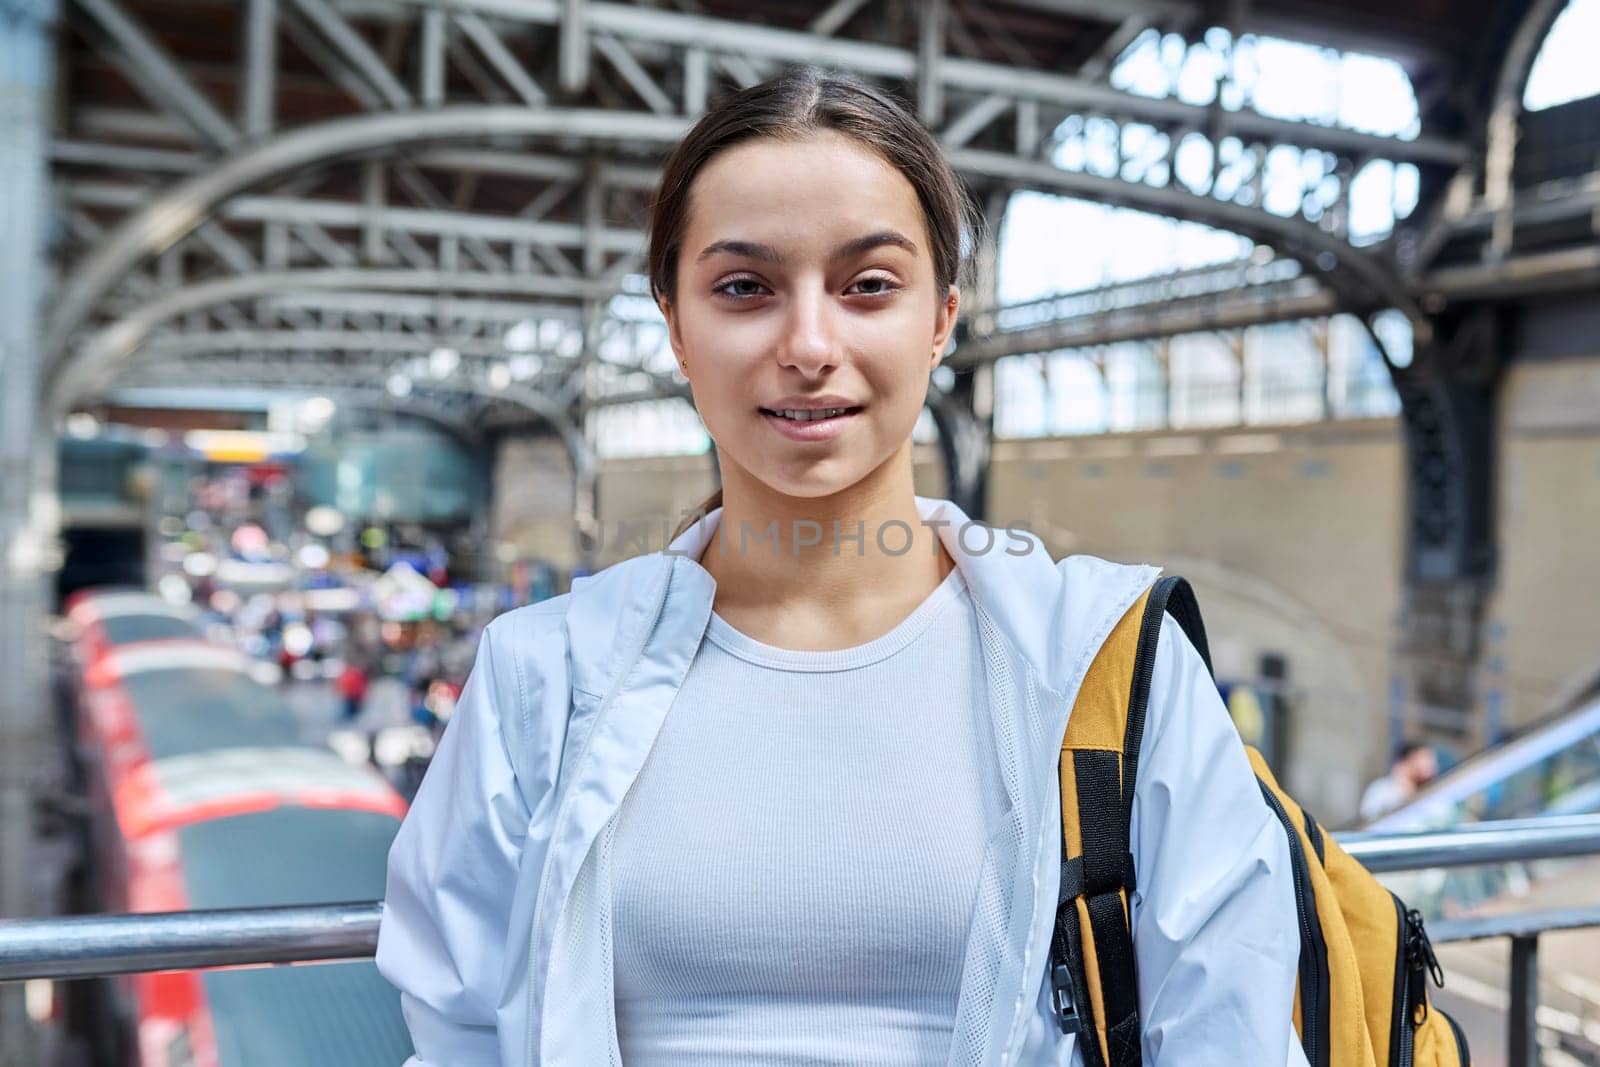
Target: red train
{"points": [[203, 793]]}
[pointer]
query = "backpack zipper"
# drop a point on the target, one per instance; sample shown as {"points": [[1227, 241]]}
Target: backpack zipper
{"points": [[1314, 1015], [1400, 1036], [1414, 963]]}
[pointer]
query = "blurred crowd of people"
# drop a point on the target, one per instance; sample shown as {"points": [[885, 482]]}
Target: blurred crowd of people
{"points": [[367, 621]]}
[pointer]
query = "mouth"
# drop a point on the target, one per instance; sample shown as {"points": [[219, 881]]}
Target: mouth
{"points": [[820, 425], [802, 417]]}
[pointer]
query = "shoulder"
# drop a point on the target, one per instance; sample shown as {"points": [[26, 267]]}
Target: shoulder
{"points": [[1093, 595], [573, 638], [529, 622]]}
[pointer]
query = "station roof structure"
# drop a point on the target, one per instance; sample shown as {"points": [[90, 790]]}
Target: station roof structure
{"points": [[435, 205]]}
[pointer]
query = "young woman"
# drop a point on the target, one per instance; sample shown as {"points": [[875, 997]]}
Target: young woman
{"points": [[785, 791]]}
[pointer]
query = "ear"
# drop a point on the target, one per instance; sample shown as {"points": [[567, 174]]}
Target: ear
{"points": [[944, 322], [674, 337]]}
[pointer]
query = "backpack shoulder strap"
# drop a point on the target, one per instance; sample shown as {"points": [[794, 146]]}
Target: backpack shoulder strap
{"points": [[1093, 975]]}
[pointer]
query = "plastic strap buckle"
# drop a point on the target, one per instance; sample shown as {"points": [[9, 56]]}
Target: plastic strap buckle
{"points": [[1066, 1011]]}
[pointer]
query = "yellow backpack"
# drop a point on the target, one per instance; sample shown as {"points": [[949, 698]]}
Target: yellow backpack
{"points": [[1362, 996]]}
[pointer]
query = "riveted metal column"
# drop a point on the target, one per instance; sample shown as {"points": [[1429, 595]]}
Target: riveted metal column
{"points": [[1448, 400], [26, 451]]}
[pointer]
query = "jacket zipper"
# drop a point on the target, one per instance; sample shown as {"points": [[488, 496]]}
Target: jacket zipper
{"points": [[1314, 1037], [566, 801]]}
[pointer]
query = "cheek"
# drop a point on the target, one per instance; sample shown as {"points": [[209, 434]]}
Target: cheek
{"points": [[721, 339]]}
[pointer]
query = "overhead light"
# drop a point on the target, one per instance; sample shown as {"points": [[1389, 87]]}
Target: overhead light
{"points": [[318, 409], [399, 385], [324, 521], [82, 425], [442, 362], [242, 446], [499, 376], [522, 337]]}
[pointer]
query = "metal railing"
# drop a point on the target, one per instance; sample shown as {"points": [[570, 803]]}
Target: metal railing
{"points": [[93, 946]]}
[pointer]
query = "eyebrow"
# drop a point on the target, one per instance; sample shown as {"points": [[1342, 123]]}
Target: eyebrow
{"points": [[853, 247]]}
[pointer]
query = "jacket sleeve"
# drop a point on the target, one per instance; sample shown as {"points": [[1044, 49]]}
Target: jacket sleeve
{"points": [[1216, 928], [453, 875]]}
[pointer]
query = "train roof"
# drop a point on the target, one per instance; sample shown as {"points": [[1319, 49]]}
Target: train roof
{"points": [[316, 1015], [208, 709], [127, 616], [92, 604], [205, 787], [185, 653]]}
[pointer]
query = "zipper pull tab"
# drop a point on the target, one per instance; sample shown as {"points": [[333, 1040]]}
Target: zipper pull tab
{"points": [[1421, 963], [1425, 948], [1417, 995]]}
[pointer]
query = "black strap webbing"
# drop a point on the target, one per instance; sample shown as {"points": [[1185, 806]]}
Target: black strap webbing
{"points": [[1169, 596], [1106, 782], [1105, 851], [1071, 984]]}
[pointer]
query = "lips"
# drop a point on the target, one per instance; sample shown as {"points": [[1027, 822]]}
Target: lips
{"points": [[811, 429]]}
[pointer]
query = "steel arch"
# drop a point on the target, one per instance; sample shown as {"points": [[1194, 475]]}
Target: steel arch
{"points": [[163, 222]]}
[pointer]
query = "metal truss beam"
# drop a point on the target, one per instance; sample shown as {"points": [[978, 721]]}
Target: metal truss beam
{"points": [[315, 340], [761, 43], [96, 361], [344, 214], [1357, 275], [148, 66], [256, 102], [1300, 298], [161, 223], [443, 308], [166, 220]]}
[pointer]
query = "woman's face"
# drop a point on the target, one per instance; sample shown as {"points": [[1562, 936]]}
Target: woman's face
{"points": [[806, 279]]}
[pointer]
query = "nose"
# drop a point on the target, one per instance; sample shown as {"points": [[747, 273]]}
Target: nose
{"points": [[809, 343]]}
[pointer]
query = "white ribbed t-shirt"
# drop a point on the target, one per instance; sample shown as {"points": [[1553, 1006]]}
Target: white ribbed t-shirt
{"points": [[794, 870]]}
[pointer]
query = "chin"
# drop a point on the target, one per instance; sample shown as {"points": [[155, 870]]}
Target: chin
{"points": [[811, 488]]}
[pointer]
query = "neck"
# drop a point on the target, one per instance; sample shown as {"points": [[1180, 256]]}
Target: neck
{"points": [[772, 549]]}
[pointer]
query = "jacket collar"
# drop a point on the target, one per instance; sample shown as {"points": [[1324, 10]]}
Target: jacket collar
{"points": [[1043, 609]]}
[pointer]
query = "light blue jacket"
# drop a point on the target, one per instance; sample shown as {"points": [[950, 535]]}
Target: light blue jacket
{"points": [[496, 926]]}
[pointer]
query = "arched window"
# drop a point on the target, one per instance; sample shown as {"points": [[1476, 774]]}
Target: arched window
{"points": [[1565, 69]]}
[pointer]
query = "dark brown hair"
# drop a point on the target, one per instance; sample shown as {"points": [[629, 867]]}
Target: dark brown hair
{"points": [[796, 104]]}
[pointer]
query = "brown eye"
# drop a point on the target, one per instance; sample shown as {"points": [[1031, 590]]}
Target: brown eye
{"points": [[740, 288], [875, 285]]}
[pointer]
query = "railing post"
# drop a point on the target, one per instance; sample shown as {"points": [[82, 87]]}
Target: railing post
{"points": [[1522, 1044]]}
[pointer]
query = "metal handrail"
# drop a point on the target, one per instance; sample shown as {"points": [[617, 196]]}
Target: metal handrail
{"points": [[88, 946], [1504, 841], [91, 946]]}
